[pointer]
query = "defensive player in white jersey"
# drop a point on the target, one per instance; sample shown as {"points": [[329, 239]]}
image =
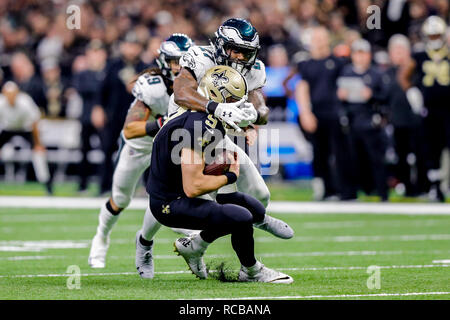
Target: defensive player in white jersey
{"points": [[151, 91], [236, 45]]}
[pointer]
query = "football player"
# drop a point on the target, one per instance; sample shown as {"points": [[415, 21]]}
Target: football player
{"points": [[176, 181], [236, 45], [151, 91], [430, 95]]}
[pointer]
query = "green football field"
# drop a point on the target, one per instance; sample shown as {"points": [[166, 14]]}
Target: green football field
{"points": [[329, 258]]}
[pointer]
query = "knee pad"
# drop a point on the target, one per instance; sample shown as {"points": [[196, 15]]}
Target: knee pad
{"points": [[263, 195], [121, 199]]}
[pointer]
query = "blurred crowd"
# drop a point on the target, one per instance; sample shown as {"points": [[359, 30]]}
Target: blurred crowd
{"points": [[85, 73]]}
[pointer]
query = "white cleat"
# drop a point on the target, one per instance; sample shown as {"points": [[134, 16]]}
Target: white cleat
{"points": [[260, 273], [97, 255], [276, 227], [192, 256], [144, 259]]}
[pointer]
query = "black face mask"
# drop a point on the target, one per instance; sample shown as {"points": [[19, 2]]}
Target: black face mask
{"points": [[248, 53]]}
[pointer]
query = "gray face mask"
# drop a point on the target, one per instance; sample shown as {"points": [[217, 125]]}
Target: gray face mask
{"points": [[435, 44]]}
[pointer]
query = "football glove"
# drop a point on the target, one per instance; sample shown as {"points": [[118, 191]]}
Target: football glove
{"points": [[230, 113], [251, 113]]}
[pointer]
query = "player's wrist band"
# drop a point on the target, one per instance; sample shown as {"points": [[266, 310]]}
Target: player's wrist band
{"points": [[152, 128], [211, 107], [231, 176]]}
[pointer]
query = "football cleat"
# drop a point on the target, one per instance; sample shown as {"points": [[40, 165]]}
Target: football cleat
{"points": [[260, 273], [193, 256], [97, 255], [144, 259], [276, 227]]}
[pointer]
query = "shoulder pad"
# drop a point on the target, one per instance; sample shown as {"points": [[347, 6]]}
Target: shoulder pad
{"points": [[256, 78], [148, 88]]}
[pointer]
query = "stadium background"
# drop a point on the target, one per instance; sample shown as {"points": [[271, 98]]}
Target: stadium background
{"points": [[334, 243], [38, 29]]}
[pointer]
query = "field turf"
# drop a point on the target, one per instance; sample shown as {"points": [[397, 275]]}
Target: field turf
{"points": [[328, 258]]}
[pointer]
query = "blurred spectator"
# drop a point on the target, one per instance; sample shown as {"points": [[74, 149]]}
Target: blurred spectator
{"points": [[88, 81], [319, 116], [360, 89], [276, 71], [410, 168], [19, 116], [23, 73], [56, 89], [114, 101]]}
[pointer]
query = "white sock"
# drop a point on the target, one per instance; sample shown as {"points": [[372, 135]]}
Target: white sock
{"points": [[199, 242], [106, 221], [150, 226], [254, 268]]}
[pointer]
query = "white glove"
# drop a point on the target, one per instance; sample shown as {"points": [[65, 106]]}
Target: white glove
{"points": [[415, 99], [250, 112], [231, 114]]}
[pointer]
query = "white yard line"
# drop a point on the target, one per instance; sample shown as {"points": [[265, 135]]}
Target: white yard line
{"points": [[259, 255], [274, 206], [406, 294], [442, 261], [183, 272]]}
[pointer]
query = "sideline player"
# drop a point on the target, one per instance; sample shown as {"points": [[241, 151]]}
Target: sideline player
{"points": [[176, 181], [151, 91], [431, 95]]}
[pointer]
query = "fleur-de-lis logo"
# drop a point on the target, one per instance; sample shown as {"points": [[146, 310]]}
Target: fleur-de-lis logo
{"points": [[219, 79], [166, 209]]}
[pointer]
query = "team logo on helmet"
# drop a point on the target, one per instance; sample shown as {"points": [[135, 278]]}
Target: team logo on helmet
{"points": [[219, 79]]}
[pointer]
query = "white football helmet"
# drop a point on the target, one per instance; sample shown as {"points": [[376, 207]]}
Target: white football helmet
{"points": [[239, 35], [434, 29]]}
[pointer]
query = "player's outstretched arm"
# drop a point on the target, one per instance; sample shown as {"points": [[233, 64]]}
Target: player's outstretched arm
{"points": [[185, 92], [195, 183], [136, 120]]}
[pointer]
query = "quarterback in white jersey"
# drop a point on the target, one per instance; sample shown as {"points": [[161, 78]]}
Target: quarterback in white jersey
{"points": [[151, 90]]}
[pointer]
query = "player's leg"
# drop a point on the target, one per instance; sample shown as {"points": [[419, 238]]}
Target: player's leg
{"points": [[130, 166], [435, 136], [251, 182], [216, 221], [260, 220], [144, 245]]}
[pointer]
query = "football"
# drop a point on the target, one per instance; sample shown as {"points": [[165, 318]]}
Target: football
{"points": [[219, 165]]}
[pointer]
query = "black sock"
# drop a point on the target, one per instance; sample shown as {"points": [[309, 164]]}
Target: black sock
{"points": [[244, 245], [145, 242]]}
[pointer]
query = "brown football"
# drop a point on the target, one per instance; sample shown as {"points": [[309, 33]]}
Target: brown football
{"points": [[219, 165]]}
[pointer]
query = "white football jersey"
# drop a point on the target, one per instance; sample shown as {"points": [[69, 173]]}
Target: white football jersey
{"points": [[19, 117], [201, 58], [151, 90]]}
